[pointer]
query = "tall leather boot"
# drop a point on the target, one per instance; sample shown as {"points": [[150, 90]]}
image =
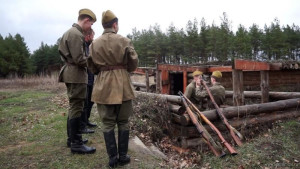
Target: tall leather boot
{"points": [[111, 148], [77, 145], [69, 133], [123, 139]]}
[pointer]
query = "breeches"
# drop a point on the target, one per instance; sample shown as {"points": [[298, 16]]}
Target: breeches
{"points": [[76, 93], [116, 114]]}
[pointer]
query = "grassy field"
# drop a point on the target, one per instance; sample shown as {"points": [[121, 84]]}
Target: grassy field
{"points": [[33, 132], [33, 135]]}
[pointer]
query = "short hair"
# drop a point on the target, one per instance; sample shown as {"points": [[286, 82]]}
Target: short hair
{"points": [[217, 79], [82, 17], [110, 24], [89, 32]]}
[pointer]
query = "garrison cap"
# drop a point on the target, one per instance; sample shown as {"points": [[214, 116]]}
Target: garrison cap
{"points": [[197, 72], [217, 74], [88, 12], [107, 16]]}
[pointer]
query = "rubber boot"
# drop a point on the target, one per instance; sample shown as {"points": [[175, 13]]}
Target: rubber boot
{"points": [[123, 139], [111, 148], [77, 145]]}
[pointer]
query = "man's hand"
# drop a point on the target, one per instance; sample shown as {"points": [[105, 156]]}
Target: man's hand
{"points": [[198, 82]]}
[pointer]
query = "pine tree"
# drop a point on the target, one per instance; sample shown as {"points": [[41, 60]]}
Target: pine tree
{"points": [[256, 40], [242, 44]]}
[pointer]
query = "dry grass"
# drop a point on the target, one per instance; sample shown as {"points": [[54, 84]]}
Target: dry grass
{"points": [[44, 82]]}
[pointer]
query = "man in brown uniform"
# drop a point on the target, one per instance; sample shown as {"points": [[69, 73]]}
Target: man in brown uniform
{"points": [[112, 57], [217, 90], [74, 75], [190, 91]]}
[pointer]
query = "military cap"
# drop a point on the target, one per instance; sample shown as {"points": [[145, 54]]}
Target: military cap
{"points": [[107, 16], [217, 74], [88, 12], [197, 73]]}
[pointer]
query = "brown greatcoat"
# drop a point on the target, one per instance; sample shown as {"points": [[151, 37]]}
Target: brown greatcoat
{"points": [[71, 49], [112, 86]]}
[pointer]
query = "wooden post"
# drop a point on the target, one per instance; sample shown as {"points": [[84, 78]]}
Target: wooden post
{"points": [[238, 91], [184, 80], [158, 80], [264, 85], [147, 80]]}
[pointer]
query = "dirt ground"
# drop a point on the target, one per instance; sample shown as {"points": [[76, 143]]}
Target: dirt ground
{"points": [[33, 135]]}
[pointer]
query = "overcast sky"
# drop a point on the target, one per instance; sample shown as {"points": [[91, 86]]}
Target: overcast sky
{"points": [[47, 20]]}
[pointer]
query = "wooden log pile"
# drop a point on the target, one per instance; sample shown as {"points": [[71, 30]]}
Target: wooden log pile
{"points": [[143, 87], [240, 117]]}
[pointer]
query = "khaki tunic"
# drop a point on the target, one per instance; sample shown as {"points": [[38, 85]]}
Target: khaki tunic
{"points": [[190, 93], [71, 49], [113, 86], [218, 92]]}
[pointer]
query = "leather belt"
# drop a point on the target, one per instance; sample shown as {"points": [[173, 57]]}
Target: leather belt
{"points": [[112, 67]]}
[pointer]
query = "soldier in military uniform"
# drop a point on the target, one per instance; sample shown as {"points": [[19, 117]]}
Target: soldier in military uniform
{"points": [[88, 104], [112, 57], [217, 90], [74, 75], [190, 91]]}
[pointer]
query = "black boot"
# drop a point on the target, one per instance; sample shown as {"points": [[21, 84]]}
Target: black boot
{"points": [[83, 140], [69, 138], [68, 133], [86, 131], [77, 145], [111, 148], [123, 139], [91, 124]]}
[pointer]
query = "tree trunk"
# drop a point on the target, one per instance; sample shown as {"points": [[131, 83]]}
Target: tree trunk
{"points": [[272, 95]]}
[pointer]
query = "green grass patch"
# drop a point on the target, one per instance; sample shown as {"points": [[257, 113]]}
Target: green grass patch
{"points": [[276, 149], [33, 135]]}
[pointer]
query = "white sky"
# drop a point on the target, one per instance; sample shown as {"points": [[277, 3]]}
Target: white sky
{"points": [[47, 20]]}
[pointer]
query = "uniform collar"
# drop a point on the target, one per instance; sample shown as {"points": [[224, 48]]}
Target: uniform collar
{"points": [[78, 27], [109, 30], [217, 83]]}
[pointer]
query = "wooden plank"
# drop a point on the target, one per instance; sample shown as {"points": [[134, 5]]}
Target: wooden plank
{"points": [[158, 81], [180, 68], [275, 66], [264, 85], [250, 65], [141, 70], [238, 91], [184, 80], [147, 80], [165, 78], [220, 68]]}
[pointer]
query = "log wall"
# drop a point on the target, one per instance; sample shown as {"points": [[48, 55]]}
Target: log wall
{"points": [[283, 80]]}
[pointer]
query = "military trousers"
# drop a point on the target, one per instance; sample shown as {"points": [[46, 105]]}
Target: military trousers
{"points": [[115, 114], [88, 105], [76, 93]]}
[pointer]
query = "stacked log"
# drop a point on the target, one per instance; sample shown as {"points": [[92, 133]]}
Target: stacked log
{"points": [[249, 94], [272, 95], [240, 117], [284, 65], [143, 87]]}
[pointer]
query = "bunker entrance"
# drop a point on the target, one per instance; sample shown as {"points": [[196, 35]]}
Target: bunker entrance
{"points": [[176, 84]]}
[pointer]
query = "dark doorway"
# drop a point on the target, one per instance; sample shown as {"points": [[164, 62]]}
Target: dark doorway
{"points": [[176, 82]]}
